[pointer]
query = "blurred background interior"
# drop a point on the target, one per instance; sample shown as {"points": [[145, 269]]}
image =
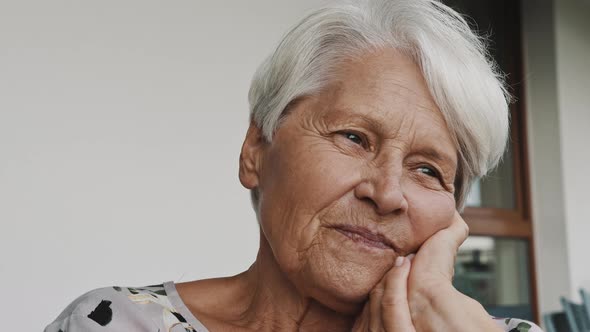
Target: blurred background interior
{"points": [[496, 265]]}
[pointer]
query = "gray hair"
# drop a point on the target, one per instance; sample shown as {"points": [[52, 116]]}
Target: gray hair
{"points": [[463, 80]]}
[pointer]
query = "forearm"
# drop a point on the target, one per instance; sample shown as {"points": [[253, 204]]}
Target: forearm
{"points": [[446, 309]]}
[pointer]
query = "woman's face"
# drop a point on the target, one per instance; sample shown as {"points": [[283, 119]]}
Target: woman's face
{"points": [[355, 177]]}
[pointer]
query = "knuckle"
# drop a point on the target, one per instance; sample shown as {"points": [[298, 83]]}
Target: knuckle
{"points": [[465, 228], [390, 301], [377, 291]]}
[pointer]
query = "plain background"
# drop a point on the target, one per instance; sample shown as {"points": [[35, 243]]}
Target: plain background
{"points": [[121, 124]]}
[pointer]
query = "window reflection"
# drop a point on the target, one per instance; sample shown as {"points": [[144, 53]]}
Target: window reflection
{"points": [[496, 190], [495, 272]]}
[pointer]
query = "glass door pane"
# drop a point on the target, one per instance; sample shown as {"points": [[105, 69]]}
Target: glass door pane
{"points": [[497, 189], [495, 272]]}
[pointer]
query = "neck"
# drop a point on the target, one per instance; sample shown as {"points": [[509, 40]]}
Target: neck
{"points": [[272, 301]]}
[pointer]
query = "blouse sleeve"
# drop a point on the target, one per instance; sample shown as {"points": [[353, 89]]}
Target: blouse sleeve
{"points": [[517, 325], [104, 310]]}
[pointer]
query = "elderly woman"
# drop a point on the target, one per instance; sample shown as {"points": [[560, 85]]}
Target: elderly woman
{"points": [[368, 124]]}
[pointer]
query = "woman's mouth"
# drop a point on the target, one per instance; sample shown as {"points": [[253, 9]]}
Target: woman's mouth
{"points": [[364, 236]]}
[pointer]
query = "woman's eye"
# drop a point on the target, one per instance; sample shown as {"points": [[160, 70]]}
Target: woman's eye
{"points": [[357, 139], [428, 171]]}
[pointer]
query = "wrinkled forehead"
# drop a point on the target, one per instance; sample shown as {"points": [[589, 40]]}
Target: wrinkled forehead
{"points": [[384, 92], [386, 73]]}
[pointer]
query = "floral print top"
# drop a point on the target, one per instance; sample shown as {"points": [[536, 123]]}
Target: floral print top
{"points": [[158, 308]]}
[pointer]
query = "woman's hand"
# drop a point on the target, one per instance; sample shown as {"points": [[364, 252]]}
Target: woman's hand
{"points": [[387, 308], [434, 263], [435, 305], [417, 294]]}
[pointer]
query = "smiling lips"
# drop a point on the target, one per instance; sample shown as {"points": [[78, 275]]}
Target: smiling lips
{"points": [[365, 236]]}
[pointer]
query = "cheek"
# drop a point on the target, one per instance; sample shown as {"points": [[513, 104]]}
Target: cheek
{"points": [[429, 211], [312, 176], [299, 183]]}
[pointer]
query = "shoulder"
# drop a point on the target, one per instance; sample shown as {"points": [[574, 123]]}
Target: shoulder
{"points": [[120, 309], [517, 325]]}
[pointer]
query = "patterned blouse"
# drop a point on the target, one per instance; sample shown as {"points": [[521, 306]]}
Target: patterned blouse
{"points": [[158, 308]]}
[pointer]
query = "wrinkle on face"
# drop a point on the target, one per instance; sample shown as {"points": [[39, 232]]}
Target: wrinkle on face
{"points": [[312, 171], [361, 215]]}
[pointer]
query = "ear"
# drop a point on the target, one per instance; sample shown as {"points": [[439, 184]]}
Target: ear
{"points": [[251, 157]]}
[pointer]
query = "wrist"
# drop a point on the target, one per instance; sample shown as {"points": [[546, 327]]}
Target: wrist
{"points": [[425, 300], [441, 307]]}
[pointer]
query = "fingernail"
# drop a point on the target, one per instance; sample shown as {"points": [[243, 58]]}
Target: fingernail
{"points": [[411, 257], [399, 261]]}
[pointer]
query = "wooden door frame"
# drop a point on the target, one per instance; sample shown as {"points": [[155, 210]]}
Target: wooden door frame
{"points": [[517, 222]]}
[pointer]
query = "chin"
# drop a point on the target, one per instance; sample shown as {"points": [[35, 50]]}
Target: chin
{"points": [[345, 289]]}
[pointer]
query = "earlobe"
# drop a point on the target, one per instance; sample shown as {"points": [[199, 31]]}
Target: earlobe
{"points": [[251, 157]]}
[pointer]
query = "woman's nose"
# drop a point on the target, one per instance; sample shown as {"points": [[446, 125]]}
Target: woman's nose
{"points": [[383, 189]]}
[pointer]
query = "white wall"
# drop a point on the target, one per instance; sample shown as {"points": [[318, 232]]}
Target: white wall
{"points": [[552, 266], [120, 129], [573, 75], [557, 81]]}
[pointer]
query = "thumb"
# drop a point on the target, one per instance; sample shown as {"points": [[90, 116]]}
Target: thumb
{"points": [[395, 309], [441, 249]]}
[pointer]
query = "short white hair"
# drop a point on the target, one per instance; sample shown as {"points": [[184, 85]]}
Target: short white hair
{"points": [[461, 76]]}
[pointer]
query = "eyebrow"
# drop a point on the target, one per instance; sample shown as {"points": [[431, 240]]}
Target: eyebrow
{"points": [[436, 155], [353, 115], [377, 125]]}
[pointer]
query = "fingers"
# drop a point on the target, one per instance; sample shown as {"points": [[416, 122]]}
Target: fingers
{"points": [[388, 308], [437, 254], [395, 310], [375, 321], [458, 231], [449, 241]]}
